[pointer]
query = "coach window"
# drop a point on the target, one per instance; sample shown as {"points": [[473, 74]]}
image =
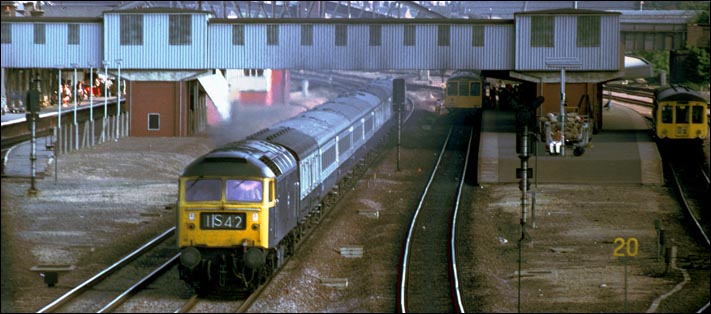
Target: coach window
{"points": [[344, 144], [244, 190], [203, 190], [328, 157], [682, 114], [369, 125], [358, 132], [153, 121]]}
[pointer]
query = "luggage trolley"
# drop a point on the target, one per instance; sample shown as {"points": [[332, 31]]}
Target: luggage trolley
{"points": [[577, 132]]}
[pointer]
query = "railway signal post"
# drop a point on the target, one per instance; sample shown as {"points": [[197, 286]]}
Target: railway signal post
{"points": [[525, 120], [33, 104], [398, 104]]}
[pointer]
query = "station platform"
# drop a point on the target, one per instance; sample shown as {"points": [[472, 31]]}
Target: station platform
{"points": [[622, 152], [16, 163]]}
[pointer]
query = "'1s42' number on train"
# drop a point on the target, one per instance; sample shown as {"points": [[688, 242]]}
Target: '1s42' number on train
{"points": [[231, 221]]}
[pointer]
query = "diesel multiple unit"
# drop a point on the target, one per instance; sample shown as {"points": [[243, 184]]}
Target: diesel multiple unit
{"points": [[679, 113]]}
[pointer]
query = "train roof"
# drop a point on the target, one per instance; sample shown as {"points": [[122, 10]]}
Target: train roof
{"points": [[243, 158], [319, 125], [351, 107], [674, 93], [306, 132], [299, 143], [464, 75]]}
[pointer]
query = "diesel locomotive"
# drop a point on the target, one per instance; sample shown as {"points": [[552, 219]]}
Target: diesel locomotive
{"points": [[243, 207]]}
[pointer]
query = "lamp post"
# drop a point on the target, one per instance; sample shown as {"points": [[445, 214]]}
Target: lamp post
{"points": [[59, 97], [76, 128], [118, 99], [106, 76], [57, 132], [91, 101], [563, 64]]}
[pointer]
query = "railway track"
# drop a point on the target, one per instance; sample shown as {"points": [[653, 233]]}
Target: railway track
{"points": [[429, 281], [199, 304], [139, 268], [692, 187], [634, 96], [691, 184]]}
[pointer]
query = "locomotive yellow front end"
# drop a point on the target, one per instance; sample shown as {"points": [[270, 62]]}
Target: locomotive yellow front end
{"points": [[224, 212], [680, 114], [223, 225], [463, 92], [225, 216]]}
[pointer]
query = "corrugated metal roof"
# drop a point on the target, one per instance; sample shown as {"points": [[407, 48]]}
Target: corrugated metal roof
{"points": [[566, 11]]}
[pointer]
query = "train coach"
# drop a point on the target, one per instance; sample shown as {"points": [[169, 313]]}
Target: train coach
{"points": [[463, 92], [679, 114], [243, 207]]}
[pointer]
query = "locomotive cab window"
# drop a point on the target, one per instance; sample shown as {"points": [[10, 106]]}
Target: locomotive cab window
{"points": [[463, 89], [682, 114], [452, 89], [475, 89], [203, 190], [667, 114], [244, 190], [697, 114]]}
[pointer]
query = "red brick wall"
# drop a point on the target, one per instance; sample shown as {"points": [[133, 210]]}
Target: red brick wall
{"points": [[162, 98]]}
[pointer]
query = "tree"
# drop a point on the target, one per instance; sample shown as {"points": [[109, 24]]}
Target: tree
{"points": [[698, 65]]}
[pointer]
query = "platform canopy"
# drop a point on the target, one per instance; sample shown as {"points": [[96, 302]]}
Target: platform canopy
{"points": [[637, 68]]}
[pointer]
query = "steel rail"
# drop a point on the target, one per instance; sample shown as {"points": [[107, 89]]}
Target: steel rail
{"points": [[452, 248], [140, 284], [406, 254], [685, 203], [104, 273]]}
